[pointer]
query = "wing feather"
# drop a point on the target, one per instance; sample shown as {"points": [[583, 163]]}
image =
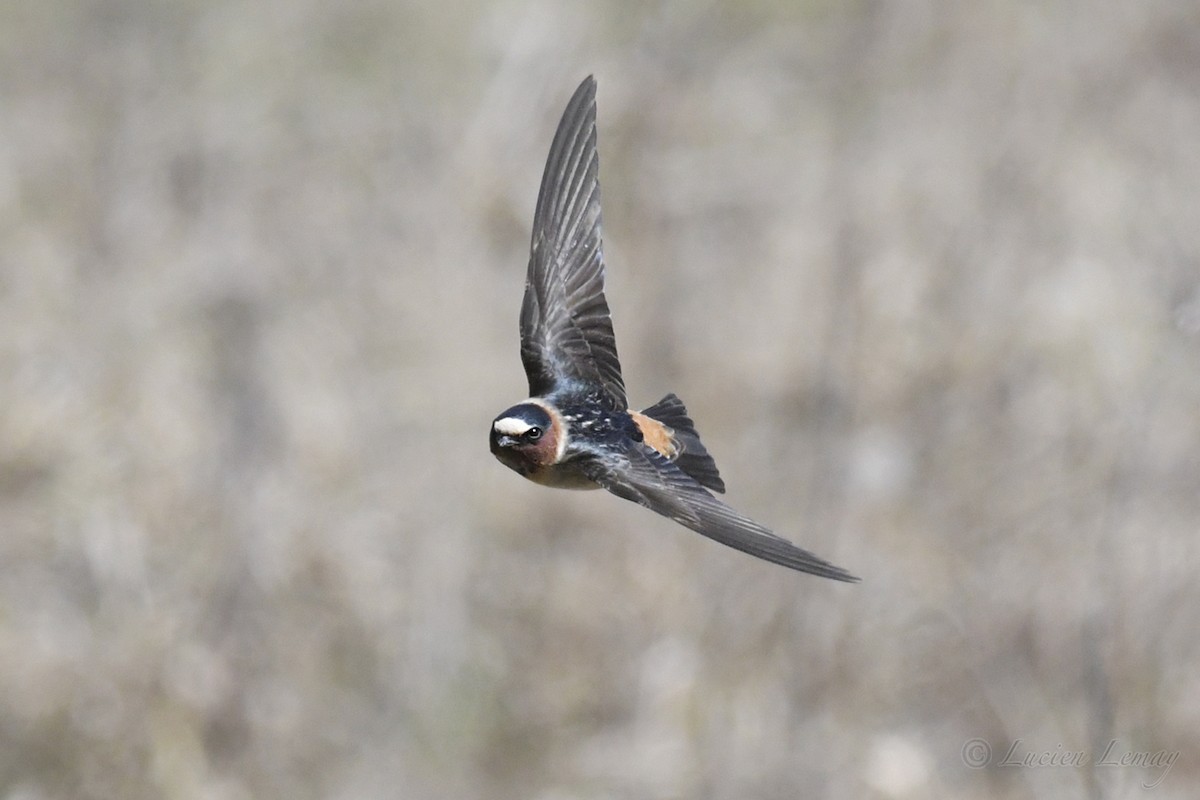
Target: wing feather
{"points": [[650, 480], [566, 327]]}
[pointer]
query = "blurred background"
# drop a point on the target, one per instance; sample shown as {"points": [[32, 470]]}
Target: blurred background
{"points": [[927, 275]]}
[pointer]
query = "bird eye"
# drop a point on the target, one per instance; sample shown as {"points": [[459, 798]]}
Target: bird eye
{"points": [[533, 434]]}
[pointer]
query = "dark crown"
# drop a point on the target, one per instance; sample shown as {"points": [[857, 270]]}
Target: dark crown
{"points": [[529, 413]]}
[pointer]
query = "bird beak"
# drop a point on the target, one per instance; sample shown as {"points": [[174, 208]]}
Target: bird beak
{"points": [[506, 441]]}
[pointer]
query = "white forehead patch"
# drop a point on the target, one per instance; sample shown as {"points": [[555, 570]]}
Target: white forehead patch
{"points": [[511, 426]]}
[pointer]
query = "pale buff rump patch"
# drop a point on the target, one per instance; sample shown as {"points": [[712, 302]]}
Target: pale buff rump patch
{"points": [[656, 435]]}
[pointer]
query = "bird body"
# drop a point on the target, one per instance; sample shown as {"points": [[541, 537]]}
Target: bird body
{"points": [[576, 430], [534, 438]]}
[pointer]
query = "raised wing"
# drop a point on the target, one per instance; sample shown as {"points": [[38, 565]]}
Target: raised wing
{"points": [[650, 480], [566, 329]]}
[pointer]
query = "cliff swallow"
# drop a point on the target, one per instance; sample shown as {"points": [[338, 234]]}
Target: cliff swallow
{"points": [[576, 430]]}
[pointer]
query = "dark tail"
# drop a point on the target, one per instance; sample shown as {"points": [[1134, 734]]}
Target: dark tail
{"points": [[693, 458]]}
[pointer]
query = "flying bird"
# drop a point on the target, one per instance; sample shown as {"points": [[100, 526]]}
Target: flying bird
{"points": [[576, 430]]}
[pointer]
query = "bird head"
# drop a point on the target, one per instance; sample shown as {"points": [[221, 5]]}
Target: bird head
{"points": [[525, 438]]}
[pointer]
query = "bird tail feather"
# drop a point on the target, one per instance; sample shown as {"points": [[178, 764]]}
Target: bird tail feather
{"points": [[692, 457]]}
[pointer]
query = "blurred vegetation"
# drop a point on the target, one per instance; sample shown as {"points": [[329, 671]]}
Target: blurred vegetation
{"points": [[926, 273]]}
